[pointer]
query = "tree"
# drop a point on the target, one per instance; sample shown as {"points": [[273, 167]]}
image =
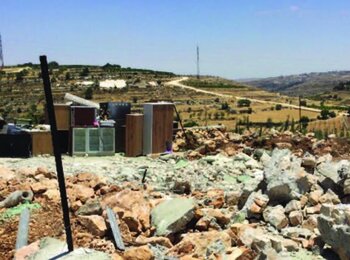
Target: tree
{"points": [[20, 75], [68, 76], [304, 121], [85, 72], [278, 107], [225, 106], [244, 103], [269, 123], [324, 113], [53, 65], [89, 92], [332, 114], [303, 103]]}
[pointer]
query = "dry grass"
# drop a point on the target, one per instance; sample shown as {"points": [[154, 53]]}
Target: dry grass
{"points": [[332, 125]]}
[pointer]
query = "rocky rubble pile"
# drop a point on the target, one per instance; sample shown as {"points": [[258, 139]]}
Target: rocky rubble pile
{"points": [[257, 203], [200, 142]]}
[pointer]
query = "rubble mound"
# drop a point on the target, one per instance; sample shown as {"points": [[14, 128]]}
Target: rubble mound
{"points": [[254, 203]]}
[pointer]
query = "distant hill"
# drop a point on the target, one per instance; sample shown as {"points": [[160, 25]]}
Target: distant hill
{"points": [[303, 84]]}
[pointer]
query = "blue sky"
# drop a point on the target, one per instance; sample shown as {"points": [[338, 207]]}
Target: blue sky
{"points": [[237, 38]]}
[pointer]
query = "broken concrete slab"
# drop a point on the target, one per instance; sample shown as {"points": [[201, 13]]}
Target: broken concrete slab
{"points": [[172, 215]]}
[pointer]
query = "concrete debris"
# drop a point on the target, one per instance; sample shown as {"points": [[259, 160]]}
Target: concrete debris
{"points": [[172, 215], [334, 228], [228, 196], [276, 216], [50, 248]]}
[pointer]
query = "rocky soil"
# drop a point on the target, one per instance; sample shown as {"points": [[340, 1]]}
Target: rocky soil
{"points": [[225, 196]]}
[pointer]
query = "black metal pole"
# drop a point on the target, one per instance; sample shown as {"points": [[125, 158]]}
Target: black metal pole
{"points": [[55, 142]]}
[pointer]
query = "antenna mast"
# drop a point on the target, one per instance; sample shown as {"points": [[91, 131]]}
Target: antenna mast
{"points": [[1, 56], [198, 62]]}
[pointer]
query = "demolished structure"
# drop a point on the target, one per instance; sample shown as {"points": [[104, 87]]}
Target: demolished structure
{"points": [[228, 196]]}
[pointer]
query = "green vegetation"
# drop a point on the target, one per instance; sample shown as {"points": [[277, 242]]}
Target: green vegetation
{"points": [[53, 65], [343, 86], [243, 103], [17, 210], [304, 120], [225, 106], [85, 72], [210, 84], [326, 114], [20, 75], [190, 123], [322, 106], [278, 107], [89, 92]]}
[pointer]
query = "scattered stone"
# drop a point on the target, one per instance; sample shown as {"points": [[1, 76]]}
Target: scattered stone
{"points": [[314, 197], [216, 198], [202, 245], [6, 174], [44, 185], [139, 253], [91, 207], [172, 215], [81, 192], [95, 224], [132, 207], [275, 216], [293, 205], [334, 230], [295, 218], [52, 194], [308, 161], [163, 241]]}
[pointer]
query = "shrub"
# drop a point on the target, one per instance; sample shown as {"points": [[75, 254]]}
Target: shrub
{"points": [[225, 106], [89, 92], [304, 121], [303, 103], [244, 103], [85, 72], [278, 107], [190, 123]]}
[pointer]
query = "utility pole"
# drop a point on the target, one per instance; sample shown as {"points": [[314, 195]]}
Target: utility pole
{"points": [[198, 62], [1, 55]]}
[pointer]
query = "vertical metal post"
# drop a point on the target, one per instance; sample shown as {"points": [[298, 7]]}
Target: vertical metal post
{"points": [[55, 141]]}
